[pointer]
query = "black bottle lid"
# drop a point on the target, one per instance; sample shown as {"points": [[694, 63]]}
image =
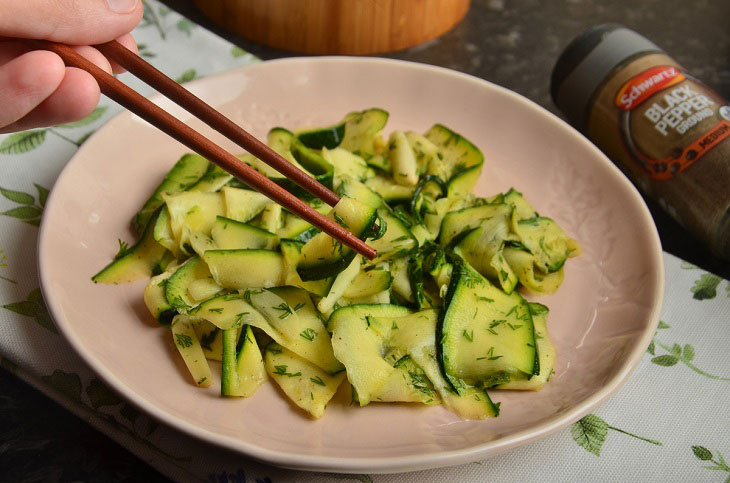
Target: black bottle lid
{"points": [[586, 62]]}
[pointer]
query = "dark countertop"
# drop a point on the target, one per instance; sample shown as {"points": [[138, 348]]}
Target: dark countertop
{"points": [[513, 43]]}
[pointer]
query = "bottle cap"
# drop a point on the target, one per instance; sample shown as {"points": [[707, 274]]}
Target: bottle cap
{"points": [[585, 64]]}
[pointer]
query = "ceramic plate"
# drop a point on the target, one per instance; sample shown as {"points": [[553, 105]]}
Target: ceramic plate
{"points": [[601, 319]]}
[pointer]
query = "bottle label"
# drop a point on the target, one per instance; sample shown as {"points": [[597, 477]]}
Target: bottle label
{"points": [[644, 85], [669, 120]]}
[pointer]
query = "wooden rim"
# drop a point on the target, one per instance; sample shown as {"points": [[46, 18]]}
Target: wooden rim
{"points": [[336, 26]]}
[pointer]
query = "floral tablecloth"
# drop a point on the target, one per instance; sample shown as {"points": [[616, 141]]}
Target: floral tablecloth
{"points": [[670, 422]]}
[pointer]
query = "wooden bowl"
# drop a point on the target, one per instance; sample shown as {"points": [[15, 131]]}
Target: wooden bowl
{"points": [[336, 26]]}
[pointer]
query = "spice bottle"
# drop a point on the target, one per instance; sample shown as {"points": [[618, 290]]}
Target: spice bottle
{"points": [[668, 132]]}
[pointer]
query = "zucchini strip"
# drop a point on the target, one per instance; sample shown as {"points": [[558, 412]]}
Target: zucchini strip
{"points": [[188, 345]]}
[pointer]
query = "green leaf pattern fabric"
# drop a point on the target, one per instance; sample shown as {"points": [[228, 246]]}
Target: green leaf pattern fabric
{"points": [[22, 142], [590, 433], [669, 422], [717, 463], [30, 210], [706, 287]]}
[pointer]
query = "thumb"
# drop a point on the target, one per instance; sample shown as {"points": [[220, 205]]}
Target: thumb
{"points": [[75, 22]]}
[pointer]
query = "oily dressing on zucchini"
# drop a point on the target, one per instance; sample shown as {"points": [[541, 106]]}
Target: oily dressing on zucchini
{"points": [[250, 292]]}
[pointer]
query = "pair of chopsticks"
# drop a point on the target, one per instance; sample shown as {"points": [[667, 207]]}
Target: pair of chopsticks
{"points": [[133, 101]]}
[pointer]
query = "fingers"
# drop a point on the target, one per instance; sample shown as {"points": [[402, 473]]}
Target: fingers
{"points": [[41, 92], [94, 56], [10, 49], [128, 42], [74, 99], [76, 22], [26, 82], [36, 89]]}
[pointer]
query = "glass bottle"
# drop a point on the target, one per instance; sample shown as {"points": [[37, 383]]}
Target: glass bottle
{"points": [[666, 130]]}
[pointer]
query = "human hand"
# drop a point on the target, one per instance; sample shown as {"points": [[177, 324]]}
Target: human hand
{"points": [[36, 88]]}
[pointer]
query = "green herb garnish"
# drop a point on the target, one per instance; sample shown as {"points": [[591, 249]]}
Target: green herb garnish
{"points": [[281, 371], [183, 340], [308, 334]]}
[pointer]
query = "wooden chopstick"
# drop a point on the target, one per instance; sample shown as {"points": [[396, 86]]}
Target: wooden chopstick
{"points": [[200, 109], [180, 131]]}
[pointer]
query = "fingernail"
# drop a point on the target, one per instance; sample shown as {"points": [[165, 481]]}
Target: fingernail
{"points": [[122, 6]]}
